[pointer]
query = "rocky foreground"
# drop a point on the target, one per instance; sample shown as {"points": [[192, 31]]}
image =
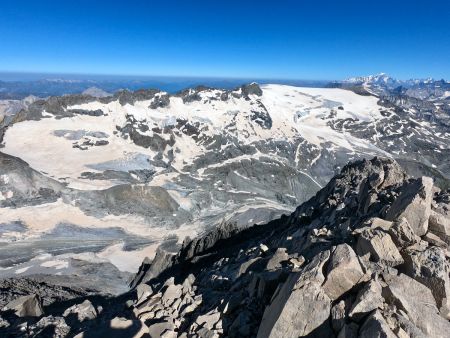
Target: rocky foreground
{"points": [[366, 257]]}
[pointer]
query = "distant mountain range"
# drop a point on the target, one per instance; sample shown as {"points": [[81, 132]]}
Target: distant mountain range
{"points": [[19, 87], [383, 84]]}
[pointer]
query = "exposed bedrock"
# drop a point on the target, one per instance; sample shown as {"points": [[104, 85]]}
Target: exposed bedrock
{"points": [[349, 262]]}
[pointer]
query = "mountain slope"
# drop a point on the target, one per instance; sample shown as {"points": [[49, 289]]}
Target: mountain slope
{"points": [[367, 255]]}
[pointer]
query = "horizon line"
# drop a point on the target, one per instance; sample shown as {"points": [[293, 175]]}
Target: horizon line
{"points": [[212, 77]]}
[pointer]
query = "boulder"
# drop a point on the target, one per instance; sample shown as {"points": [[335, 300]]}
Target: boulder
{"points": [[143, 291], [376, 326], [439, 224], [188, 283], [118, 327], [431, 268], [150, 269], [374, 223], [404, 326], [232, 304], [434, 240], [367, 300], [285, 318], [418, 303], [344, 271], [83, 311], [297, 321], [279, 256], [157, 329], [245, 266], [378, 246], [402, 234], [27, 306], [209, 319], [414, 203], [172, 293], [264, 284]]}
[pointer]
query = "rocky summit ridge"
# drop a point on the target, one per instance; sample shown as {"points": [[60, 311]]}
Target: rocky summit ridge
{"points": [[367, 256]]}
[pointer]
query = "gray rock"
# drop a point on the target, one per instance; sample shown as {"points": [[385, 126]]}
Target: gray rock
{"points": [[439, 224], [143, 291], [414, 203], [232, 304], [434, 240], [156, 330], [279, 256], [151, 269], [209, 320], [401, 233], [404, 325], [379, 247], [172, 293], [83, 311], [418, 303], [27, 306], [50, 326], [284, 318], [344, 271], [375, 223], [431, 268], [376, 326], [367, 300], [252, 89], [244, 268]]}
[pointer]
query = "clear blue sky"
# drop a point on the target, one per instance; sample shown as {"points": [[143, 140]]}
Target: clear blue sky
{"points": [[264, 39]]}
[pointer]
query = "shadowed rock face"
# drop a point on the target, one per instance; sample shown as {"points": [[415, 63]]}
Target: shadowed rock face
{"points": [[22, 185], [339, 265]]}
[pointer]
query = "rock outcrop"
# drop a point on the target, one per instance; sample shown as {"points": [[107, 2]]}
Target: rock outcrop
{"points": [[367, 256]]}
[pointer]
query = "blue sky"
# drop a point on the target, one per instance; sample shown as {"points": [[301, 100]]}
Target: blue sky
{"points": [[260, 39]]}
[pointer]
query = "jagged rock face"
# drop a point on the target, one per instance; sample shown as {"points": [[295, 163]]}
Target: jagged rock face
{"points": [[366, 291], [307, 274]]}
